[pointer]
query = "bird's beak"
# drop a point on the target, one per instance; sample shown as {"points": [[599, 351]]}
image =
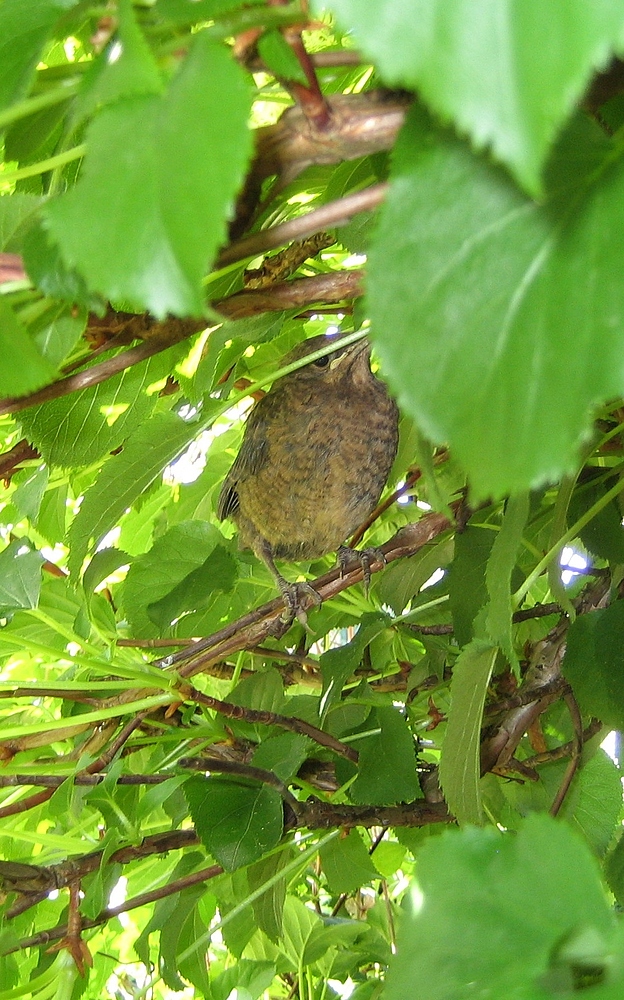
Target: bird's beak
{"points": [[350, 354]]}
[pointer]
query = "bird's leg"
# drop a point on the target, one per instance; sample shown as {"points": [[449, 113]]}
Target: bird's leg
{"points": [[349, 559], [298, 597]]}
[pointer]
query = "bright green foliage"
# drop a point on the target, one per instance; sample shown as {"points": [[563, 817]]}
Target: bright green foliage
{"points": [[473, 929], [239, 805], [508, 73], [496, 316]]}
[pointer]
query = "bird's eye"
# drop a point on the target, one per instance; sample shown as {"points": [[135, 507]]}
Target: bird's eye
{"points": [[322, 362]]}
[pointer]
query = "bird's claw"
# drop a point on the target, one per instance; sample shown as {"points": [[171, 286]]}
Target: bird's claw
{"points": [[298, 598], [349, 559]]}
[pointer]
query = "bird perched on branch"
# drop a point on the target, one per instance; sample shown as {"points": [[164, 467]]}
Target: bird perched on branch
{"points": [[316, 453]]}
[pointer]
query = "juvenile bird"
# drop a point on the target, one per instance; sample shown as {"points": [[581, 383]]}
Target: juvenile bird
{"points": [[315, 456]]}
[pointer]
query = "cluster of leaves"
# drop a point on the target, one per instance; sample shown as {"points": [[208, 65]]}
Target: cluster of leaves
{"points": [[495, 306]]}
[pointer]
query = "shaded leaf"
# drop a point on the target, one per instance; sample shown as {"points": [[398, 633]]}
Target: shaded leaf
{"points": [[593, 663], [460, 758], [123, 479], [387, 765], [347, 864], [237, 822]]}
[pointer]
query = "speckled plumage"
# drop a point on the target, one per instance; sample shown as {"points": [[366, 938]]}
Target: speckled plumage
{"points": [[316, 453]]}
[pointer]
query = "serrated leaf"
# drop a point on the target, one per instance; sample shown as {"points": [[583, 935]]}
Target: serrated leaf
{"points": [[282, 754], [471, 935], [460, 759], [124, 477], [508, 73], [387, 764], [237, 822], [81, 428], [604, 535], [269, 907], [280, 58], [29, 494], [23, 368], [494, 316], [129, 225], [103, 564]]}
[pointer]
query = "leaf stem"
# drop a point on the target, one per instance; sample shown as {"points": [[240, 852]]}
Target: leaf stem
{"points": [[32, 104], [43, 166], [571, 533]]}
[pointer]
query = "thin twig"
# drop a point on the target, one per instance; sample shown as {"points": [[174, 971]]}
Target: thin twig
{"points": [[577, 749]]}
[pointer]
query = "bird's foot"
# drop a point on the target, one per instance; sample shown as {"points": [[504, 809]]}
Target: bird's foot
{"points": [[349, 559], [298, 598]]}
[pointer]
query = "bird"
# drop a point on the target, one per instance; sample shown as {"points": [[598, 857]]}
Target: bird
{"points": [[316, 452]]}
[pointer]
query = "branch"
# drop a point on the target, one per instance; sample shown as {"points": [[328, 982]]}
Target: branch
{"points": [[334, 213], [253, 628], [170, 332]]}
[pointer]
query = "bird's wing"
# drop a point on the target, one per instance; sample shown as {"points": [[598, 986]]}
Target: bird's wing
{"points": [[250, 459]]}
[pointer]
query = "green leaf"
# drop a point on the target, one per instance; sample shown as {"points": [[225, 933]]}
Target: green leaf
{"points": [[135, 73], [154, 578], [237, 822], [593, 663], [467, 584], [49, 273], [124, 477], [283, 754], [24, 30], [472, 934], [614, 871], [598, 807], [347, 864], [16, 216], [269, 907], [387, 765], [191, 11], [401, 581], [337, 665], [20, 576], [83, 427], [29, 494], [251, 977], [460, 759], [280, 58], [216, 574], [498, 575], [129, 225], [508, 73], [57, 337], [496, 317], [604, 535], [103, 564], [23, 369]]}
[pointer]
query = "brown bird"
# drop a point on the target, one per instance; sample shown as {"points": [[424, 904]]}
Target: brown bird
{"points": [[316, 453]]}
